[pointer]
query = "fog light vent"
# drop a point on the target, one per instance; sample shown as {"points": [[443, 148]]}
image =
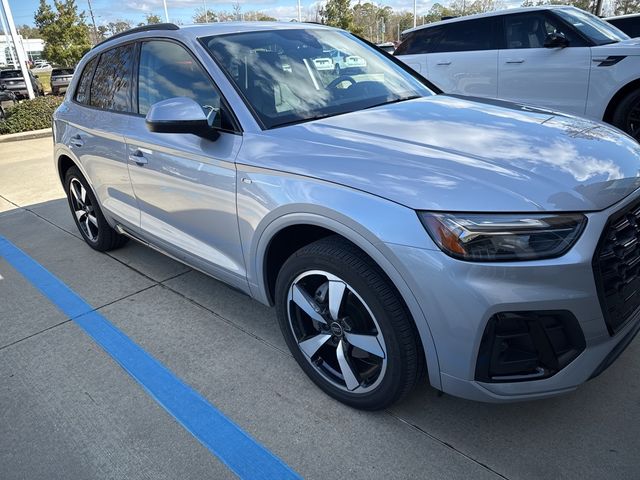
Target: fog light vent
{"points": [[520, 346]]}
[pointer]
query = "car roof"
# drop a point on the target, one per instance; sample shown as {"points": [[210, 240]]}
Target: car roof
{"points": [[618, 17], [507, 11]]}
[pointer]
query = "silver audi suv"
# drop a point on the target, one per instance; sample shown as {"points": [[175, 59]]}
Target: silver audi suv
{"points": [[402, 234]]}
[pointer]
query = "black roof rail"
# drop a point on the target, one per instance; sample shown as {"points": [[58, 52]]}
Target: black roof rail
{"points": [[143, 28], [448, 17]]}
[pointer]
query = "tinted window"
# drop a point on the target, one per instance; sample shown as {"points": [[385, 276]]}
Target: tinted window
{"points": [[166, 71], [111, 86], [62, 71], [630, 26], [529, 30], [420, 41], [467, 35], [82, 92], [11, 74]]}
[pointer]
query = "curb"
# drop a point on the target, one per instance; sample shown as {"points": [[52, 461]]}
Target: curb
{"points": [[15, 137]]}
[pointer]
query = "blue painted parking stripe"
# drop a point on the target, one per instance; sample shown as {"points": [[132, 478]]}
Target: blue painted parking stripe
{"points": [[234, 447]]}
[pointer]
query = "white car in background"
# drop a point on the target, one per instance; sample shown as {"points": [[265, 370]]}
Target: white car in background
{"points": [[343, 61], [552, 56]]}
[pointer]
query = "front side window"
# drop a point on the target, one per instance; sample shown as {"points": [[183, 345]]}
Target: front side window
{"points": [[529, 30], [82, 92], [111, 86], [166, 71], [599, 31], [294, 75]]}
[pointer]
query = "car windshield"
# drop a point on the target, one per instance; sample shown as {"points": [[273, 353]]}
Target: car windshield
{"points": [[10, 74], [591, 26], [294, 75]]}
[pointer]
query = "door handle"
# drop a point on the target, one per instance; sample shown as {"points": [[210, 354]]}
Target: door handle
{"points": [[515, 60], [447, 62], [76, 140], [138, 158]]}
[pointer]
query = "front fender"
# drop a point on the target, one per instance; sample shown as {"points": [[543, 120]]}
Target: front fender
{"points": [[270, 201]]}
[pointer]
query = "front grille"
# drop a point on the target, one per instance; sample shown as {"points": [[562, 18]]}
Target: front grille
{"points": [[616, 266]]}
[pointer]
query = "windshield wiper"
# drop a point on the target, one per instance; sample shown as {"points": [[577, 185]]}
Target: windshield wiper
{"points": [[395, 100]]}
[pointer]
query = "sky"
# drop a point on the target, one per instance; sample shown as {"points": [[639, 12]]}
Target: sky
{"points": [[182, 10]]}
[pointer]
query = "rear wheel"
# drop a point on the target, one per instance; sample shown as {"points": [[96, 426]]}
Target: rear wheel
{"points": [[346, 325], [627, 114], [89, 219]]}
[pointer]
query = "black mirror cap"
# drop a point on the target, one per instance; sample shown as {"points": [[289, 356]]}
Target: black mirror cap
{"points": [[201, 128], [556, 40]]}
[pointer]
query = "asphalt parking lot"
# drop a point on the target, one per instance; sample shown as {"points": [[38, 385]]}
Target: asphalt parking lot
{"points": [[69, 410]]}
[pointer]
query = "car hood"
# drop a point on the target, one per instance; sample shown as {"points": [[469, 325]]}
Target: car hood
{"points": [[624, 47], [454, 153]]}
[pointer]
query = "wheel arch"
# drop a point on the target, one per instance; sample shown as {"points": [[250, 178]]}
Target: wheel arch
{"points": [[290, 232], [617, 98]]}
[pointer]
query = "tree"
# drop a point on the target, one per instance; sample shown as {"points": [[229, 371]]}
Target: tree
{"points": [[624, 7], [118, 26], [28, 31], [338, 13], [205, 16], [152, 18], [64, 31]]}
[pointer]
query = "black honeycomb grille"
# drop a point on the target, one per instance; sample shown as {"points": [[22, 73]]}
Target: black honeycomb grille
{"points": [[616, 265]]}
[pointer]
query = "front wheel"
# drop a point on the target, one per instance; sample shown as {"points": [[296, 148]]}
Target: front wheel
{"points": [[86, 212], [627, 114], [346, 325]]}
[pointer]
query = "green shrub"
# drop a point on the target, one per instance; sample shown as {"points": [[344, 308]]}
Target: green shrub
{"points": [[30, 115]]}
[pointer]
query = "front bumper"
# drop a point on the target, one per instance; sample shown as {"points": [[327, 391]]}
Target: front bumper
{"points": [[459, 298]]}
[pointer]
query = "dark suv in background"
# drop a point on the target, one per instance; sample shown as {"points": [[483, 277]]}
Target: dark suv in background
{"points": [[14, 82]]}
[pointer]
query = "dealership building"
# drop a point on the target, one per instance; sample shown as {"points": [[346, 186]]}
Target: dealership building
{"points": [[33, 48]]}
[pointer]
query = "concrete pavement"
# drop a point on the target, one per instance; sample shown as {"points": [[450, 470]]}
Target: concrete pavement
{"points": [[67, 410]]}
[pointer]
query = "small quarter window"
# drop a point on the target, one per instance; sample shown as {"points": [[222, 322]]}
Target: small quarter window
{"points": [[82, 92]]}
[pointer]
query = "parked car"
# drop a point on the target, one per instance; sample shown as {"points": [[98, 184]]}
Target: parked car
{"points": [[60, 79], [557, 57], [388, 47], [396, 230], [344, 62], [14, 82], [629, 24], [7, 100]]}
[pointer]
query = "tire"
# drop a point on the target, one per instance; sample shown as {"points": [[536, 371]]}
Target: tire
{"points": [[86, 212], [375, 333], [627, 114]]}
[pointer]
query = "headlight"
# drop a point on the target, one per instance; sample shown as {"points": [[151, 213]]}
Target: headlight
{"points": [[503, 237]]}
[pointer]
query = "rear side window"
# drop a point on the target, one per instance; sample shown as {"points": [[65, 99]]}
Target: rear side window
{"points": [[468, 35], [111, 85], [420, 41], [166, 71], [463, 36], [82, 92]]}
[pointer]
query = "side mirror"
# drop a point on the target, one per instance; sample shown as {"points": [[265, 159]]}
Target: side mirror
{"points": [[180, 115], [556, 40]]}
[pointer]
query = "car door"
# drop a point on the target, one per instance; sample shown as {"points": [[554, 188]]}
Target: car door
{"points": [[185, 184], [94, 131], [464, 59], [556, 78]]}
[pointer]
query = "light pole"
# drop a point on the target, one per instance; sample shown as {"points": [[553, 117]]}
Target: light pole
{"points": [[299, 12], [415, 13], [93, 21], [166, 12], [19, 49]]}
